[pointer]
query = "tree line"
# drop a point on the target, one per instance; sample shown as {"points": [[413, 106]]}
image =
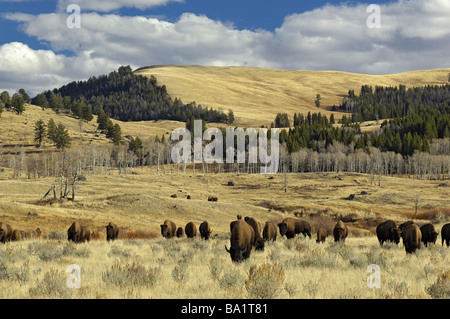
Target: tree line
{"points": [[124, 96]]}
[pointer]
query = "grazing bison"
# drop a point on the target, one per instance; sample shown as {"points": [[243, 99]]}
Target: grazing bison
{"points": [[429, 234], [17, 235], [340, 231], [322, 234], [445, 234], [36, 233], [85, 234], [405, 224], [74, 231], [190, 230], [112, 231], [168, 229], [180, 232], [241, 240], [270, 231], [205, 230], [291, 226], [5, 232], [388, 231], [259, 241], [412, 236]]}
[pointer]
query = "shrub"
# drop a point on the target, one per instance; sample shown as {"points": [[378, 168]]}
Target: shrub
{"points": [[441, 288], [265, 281], [215, 268], [128, 275], [231, 279], [53, 285], [179, 272]]}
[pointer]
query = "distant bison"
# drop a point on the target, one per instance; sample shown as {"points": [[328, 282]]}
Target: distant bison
{"points": [[388, 231], [322, 234], [36, 233], [5, 232], [112, 231], [445, 234], [270, 231], [259, 241], [168, 229], [190, 230], [174, 196], [212, 199], [291, 226], [205, 230], [85, 234], [241, 240], [412, 237], [429, 234], [340, 231], [180, 232], [74, 231]]}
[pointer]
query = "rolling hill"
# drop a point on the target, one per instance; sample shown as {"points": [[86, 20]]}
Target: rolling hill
{"points": [[256, 95]]}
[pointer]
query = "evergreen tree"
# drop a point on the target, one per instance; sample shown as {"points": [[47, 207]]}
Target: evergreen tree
{"points": [[40, 100], [135, 145], [317, 101], [51, 130], [62, 137], [17, 103], [39, 132], [25, 96]]}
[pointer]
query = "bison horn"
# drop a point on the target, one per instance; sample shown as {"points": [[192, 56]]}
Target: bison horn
{"points": [[228, 251]]}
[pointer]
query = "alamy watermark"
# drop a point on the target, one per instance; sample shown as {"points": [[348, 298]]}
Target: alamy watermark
{"points": [[374, 279], [258, 146], [74, 19], [374, 20]]}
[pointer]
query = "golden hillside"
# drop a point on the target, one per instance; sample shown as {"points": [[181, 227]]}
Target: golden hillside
{"points": [[256, 95]]}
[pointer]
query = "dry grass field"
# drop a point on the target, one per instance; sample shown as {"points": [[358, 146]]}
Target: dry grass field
{"points": [[142, 264], [256, 95]]}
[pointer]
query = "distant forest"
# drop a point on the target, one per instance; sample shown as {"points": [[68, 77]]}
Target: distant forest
{"points": [[124, 96]]}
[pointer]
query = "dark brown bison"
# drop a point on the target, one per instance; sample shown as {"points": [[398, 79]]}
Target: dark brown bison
{"points": [[168, 229], [259, 241], [241, 240], [85, 234], [112, 231], [445, 234], [291, 226], [388, 231], [5, 232], [74, 231], [17, 235], [340, 231], [190, 230], [212, 199], [405, 224], [270, 231], [180, 232], [429, 234], [36, 233], [412, 237], [205, 230], [322, 234]]}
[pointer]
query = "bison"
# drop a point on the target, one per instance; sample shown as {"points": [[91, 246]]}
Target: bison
{"points": [[270, 231], [36, 233], [322, 234], [74, 231], [445, 234], [259, 241], [85, 234], [212, 199], [429, 234], [340, 231], [168, 229], [190, 230], [388, 231], [180, 232], [291, 226], [5, 232], [112, 231], [241, 240], [405, 224], [412, 237], [205, 230], [17, 235]]}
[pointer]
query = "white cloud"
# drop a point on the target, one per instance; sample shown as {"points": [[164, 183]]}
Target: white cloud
{"points": [[414, 34], [110, 5]]}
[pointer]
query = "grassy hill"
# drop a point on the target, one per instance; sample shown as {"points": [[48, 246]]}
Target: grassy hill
{"points": [[256, 95]]}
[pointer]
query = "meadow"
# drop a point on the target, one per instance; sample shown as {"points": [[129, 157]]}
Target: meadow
{"points": [[142, 264]]}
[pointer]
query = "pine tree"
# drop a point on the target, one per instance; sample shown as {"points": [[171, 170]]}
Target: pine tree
{"points": [[17, 103], [39, 132], [51, 130], [62, 137]]}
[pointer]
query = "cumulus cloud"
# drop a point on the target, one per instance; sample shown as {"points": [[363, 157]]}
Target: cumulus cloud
{"points": [[414, 34], [110, 5]]}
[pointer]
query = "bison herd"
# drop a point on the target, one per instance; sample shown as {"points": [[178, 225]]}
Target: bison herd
{"points": [[245, 234]]}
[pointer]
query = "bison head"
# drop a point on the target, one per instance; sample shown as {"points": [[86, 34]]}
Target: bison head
{"points": [[395, 234], [283, 228], [237, 253], [74, 236], [259, 244]]}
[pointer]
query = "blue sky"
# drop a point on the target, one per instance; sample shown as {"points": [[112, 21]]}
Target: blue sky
{"points": [[38, 51]]}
